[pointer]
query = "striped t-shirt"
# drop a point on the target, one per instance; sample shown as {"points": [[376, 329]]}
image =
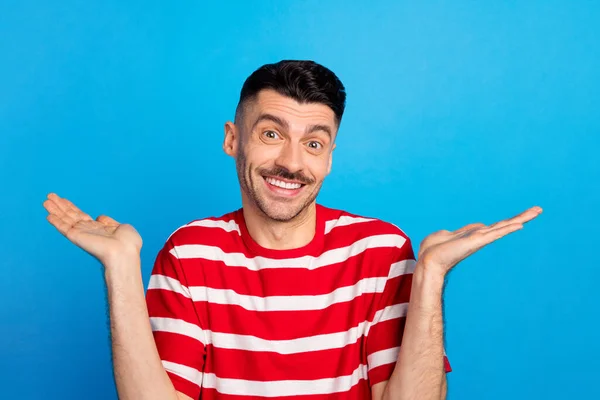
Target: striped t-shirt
{"points": [[236, 321]]}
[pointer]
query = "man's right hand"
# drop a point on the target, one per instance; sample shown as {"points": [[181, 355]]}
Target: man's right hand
{"points": [[138, 371], [103, 238]]}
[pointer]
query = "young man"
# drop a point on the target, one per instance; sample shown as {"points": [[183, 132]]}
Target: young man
{"points": [[283, 297]]}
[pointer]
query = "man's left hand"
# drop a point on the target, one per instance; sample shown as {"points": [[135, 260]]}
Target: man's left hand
{"points": [[442, 250]]}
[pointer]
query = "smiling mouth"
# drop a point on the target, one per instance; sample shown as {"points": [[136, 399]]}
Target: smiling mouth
{"points": [[283, 187], [283, 184]]}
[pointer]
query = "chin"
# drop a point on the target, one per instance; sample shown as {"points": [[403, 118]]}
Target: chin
{"points": [[280, 212], [282, 208]]}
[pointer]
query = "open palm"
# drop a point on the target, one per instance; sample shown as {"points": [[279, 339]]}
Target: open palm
{"points": [[444, 249], [104, 238]]}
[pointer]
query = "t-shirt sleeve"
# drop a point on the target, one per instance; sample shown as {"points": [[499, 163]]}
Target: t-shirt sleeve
{"points": [[384, 337], [177, 331]]}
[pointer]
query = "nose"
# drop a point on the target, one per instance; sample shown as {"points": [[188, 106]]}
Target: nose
{"points": [[290, 157]]}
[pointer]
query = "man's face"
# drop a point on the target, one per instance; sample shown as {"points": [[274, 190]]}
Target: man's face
{"points": [[282, 151]]}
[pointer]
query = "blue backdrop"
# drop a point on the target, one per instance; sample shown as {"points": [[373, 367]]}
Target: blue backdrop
{"points": [[458, 112]]}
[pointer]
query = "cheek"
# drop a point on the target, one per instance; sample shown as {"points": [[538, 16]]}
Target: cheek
{"points": [[319, 168], [263, 156]]}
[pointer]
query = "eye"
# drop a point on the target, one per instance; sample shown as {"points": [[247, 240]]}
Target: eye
{"points": [[271, 135], [314, 145]]}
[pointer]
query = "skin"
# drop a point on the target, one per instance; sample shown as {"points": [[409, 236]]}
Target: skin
{"points": [[419, 370], [277, 137], [293, 145]]}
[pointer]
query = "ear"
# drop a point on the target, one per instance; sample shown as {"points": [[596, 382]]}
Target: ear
{"points": [[330, 159], [230, 143]]}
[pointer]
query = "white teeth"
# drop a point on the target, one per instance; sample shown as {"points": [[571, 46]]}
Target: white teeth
{"points": [[281, 184]]}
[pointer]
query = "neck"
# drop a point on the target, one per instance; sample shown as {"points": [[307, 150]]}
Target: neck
{"points": [[277, 235]]}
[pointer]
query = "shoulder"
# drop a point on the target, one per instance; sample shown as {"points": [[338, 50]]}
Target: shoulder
{"points": [[367, 233], [382, 246], [359, 226], [200, 231]]}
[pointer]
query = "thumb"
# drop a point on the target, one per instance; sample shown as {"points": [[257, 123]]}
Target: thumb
{"points": [[105, 219]]}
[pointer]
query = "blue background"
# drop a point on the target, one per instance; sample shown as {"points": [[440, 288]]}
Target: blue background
{"points": [[458, 112]]}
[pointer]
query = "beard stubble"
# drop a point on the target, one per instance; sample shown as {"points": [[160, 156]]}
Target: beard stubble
{"points": [[248, 185]]}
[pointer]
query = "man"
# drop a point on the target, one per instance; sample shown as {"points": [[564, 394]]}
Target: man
{"points": [[283, 297]]}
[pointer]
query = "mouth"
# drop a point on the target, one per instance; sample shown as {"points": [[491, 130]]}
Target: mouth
{"points": [[283, 187]]}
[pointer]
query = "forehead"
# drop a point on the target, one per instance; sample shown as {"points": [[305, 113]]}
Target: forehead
{"points": [[270, 102]]}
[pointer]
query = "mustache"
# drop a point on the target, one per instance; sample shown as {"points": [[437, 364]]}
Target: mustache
{"points": [[286, 174]]}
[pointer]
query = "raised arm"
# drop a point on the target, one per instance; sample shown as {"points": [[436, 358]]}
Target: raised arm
{"points": [[139, 373], [419, 371]]}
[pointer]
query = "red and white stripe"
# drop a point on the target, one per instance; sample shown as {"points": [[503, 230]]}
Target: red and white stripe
{"points": [[239, 324]]}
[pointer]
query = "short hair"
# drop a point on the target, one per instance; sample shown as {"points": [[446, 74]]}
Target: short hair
{"points": [[303, 81]]}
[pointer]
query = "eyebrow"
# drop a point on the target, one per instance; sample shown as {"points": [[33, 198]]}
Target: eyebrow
{"points": [[284, 124], [270, 117], [319, 127]]}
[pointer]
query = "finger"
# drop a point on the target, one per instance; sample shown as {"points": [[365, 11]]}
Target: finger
{"points": [[52, 196], [471, 231], [479, 238], [522, 218], [105, 219], [63, 205], [55, 210], [51, 207], [59, 223], [69, 208], [476, 238], [80, 214], [501, 231], [470, 227]]}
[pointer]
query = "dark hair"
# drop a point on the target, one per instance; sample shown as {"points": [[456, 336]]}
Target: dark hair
{"points": [[303, 81]]}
